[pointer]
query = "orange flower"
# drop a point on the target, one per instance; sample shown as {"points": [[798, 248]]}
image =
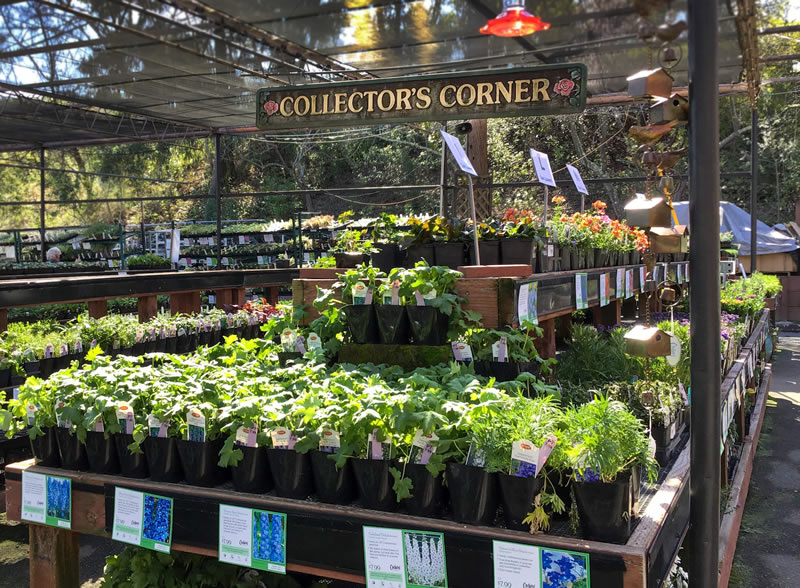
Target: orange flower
{"points": [[559, 200], [599, 205]]}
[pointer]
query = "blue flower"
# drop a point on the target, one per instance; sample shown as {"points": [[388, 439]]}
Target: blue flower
{"points": [[156, 518]]}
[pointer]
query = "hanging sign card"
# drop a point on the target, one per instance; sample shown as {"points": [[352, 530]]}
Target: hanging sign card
{"points": [[397, 558], [577, 179], [526, 303], [541, 163], [46, 500], [142, 519], [629, 289], [581, 291], [605, 285], [458, 153], [252, 538], [619, 291], [518, 565]]}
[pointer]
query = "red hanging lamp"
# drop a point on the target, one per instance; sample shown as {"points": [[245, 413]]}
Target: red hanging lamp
{"points": [[514, 21]]}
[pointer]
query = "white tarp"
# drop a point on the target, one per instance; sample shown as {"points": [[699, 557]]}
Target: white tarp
{"points": [[737, 221]]}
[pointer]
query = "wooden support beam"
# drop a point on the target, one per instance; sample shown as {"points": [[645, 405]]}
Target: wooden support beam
{"points": [[546, 344], [54, 557], [184, 302], [3, 319], [148, 307], [563, 328], [232, 296], [98, 308], [608, 315], [271, 294]]}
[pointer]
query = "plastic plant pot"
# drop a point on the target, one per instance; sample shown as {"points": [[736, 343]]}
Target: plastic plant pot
{"points": [[291, 472], [333, 485], [252, 473], [46, 367], [588, 257], [162, 457], [349, 259], [566, 259], [199, 462], [150, 346], [428, 325], [507, 371], [131, 465], [285, 356], [578, 258], [172, 345], [449, 254], [601, 258], [375, 483], [361, 323], [517, 250], [420, 252], [203, 340], [605, 508], [216, 336], [483, 368], [473, 494], [45, 448], [73, 452], [517, 495], [490, 252], [31, 368], [546, 263], [183, 343], [101, 453], [387, 256], [392, 321], [5, 378], [427, 494], [137, 348]]}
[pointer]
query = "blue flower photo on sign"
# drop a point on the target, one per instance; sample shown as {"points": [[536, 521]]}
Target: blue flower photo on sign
{"points": [[58, 498], [157, 518], [269, 537], [564, 569]]}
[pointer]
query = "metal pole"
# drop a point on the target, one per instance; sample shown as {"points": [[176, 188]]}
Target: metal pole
{"points": [[217, 171], [474, 222], [41, 205], [546, 198], [704, 297], [753, 189], [583, 203], [442, 176]]}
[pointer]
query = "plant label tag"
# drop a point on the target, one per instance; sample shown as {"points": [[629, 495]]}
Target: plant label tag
{"points": [[98, 425], [359, 293], [526, 303], [502, 349], [524, 457], [288, 339], [63, 350], [395, 292], [458, 153], [49, 351], [368, 297], [461, 351], [30, 412], [181, 332], [516, 565], [59, 419], [642, 277], [577, 179], [429, 297], [314, 342], [679, 273], [329, 441], [377, 449], [581, 284], [475, 457], [550, 250], [629, 283], [619, 291], [674, 350], [423, 447], [195, 425], [545, 451], [163, 333], [741, 268], [246, 436], [419, 298], [260, 260], [384, 562], [155, 427], [281, 438], [125, 418], [269, 238], [299, 344], [605, 282]]}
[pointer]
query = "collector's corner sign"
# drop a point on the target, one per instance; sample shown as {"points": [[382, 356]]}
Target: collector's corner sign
{"points": [[526, 91]]}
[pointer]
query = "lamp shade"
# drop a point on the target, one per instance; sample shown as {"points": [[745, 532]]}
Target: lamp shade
{"points": [[514, 21]]}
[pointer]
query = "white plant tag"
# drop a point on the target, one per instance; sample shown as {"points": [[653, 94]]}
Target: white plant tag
{"points": [[282, 438], [63, 350], [359, 293], [395, 292], [314, 342], [423, 447], [428, 297], [99, 426], [30, 412], [156, 428], [378, 449], [125, 417], [419, 298], [195, 425], [524, 459], [288, 339], [462, 351], [246, 436], [329, 442], [60, 421], [545, 451]]}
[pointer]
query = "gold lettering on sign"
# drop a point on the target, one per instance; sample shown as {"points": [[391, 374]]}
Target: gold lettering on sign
{"points": [[404, 99], [520, 92], [371, 100], [301, 110], [423, 98], [339, 103], [382, 103], [540, 86], [286, 106], [503, 88], [462, 101], [351, 102], [314, 104], [484, 93], [443, 96]]}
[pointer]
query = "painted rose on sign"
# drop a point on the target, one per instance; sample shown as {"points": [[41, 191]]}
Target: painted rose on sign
{"points": [[564, 87], [271, 107]]}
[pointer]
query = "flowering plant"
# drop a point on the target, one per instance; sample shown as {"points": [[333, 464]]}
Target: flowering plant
{"points": [[521, 224]]}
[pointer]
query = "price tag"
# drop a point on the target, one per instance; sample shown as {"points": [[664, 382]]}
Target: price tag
{"points": [[515, 565], [619, 292], [605, 285], [629, 283], [581, 286], [143, 519], [46, 500], [396, 558], [526, 303], [252, 538]]}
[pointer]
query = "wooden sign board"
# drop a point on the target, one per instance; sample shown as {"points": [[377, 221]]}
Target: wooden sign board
{"points": [[529, 91]]}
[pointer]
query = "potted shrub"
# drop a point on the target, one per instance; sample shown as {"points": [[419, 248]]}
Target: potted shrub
{"points": [[488, 242], [520, 229], [505, 355], [431, 301], [390, 312], [359, 288], [245, 449], [35, 407], [351, 248], [385, 253], [419, 238], [605, 442]]}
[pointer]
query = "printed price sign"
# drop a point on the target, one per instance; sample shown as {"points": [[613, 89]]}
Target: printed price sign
{"points": [[581, 288], [577, 179], [526, 303], [458, 153], [541, 164], [252, 538], [142, 519], [527, 566], [46, 500], [629, 289], [605, 285], [396, 558]]}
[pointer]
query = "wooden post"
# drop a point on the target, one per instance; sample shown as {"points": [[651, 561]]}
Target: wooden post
{"points": [[98, 308], [546, 344], [478, 153], [271, 294], [148, 307], [184, 302], [233, 296], [608, 315], [564, 327], [54, 557], [3, 319]]}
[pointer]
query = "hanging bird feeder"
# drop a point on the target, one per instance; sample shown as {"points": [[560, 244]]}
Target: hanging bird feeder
{"points": [[514, 21]]}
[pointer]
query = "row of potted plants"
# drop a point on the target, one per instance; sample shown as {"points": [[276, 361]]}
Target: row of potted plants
{"points": [[372, 434]]}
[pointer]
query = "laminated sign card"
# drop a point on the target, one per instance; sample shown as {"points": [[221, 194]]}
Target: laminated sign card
{"points": [[397, 558], [526, 303], [528, 566], [581, 288], [252, 538], [142, 519], [47, 500]]}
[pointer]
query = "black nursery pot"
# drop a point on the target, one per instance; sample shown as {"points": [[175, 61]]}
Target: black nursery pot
{"points": [[507, 371], [150, 346], [387, 256], [46, 367], [31, 368], [102, 453], [349, 259], [162, 459], [252, 474], [291, 472], [578, 257], [45, 448], [285, 356], [137, 348], [449, 254], [605, 509], [490, 252], [131, 465], [416, 253], [393, 325], [204, 339], [601, 258], [73, 452], [517, 495], [334, 485], [517, 250], [199, 461], [172, 345], [483, 368], [566, 259], [5, 378], [546, 263], [361, 323], [427, 494], [375, 483], [183, 343], [428, 325], [473, 494]]}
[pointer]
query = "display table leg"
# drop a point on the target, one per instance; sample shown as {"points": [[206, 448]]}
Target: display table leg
{"points": [[184, 302], [608, 315], [271, 294], [148, 308], [98, 308], [54, 557], [546, 344], [564, 328], [3, 319]]}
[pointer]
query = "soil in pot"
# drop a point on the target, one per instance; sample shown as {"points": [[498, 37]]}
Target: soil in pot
{"points": [[291, 472], [375, 483], [361, 323], [449, 254], [473, 494], [252, 473], [427, 494], [199, 462], [72, 451], [428, 325], [285, 356], [101, 453], [45, 448], [490, 252], [517, 495], [416, 253], [333, 485], [605, 508], [518, 250], [387, 256], [393, 325], [131, 465], [349, 259], [162, 459]]}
